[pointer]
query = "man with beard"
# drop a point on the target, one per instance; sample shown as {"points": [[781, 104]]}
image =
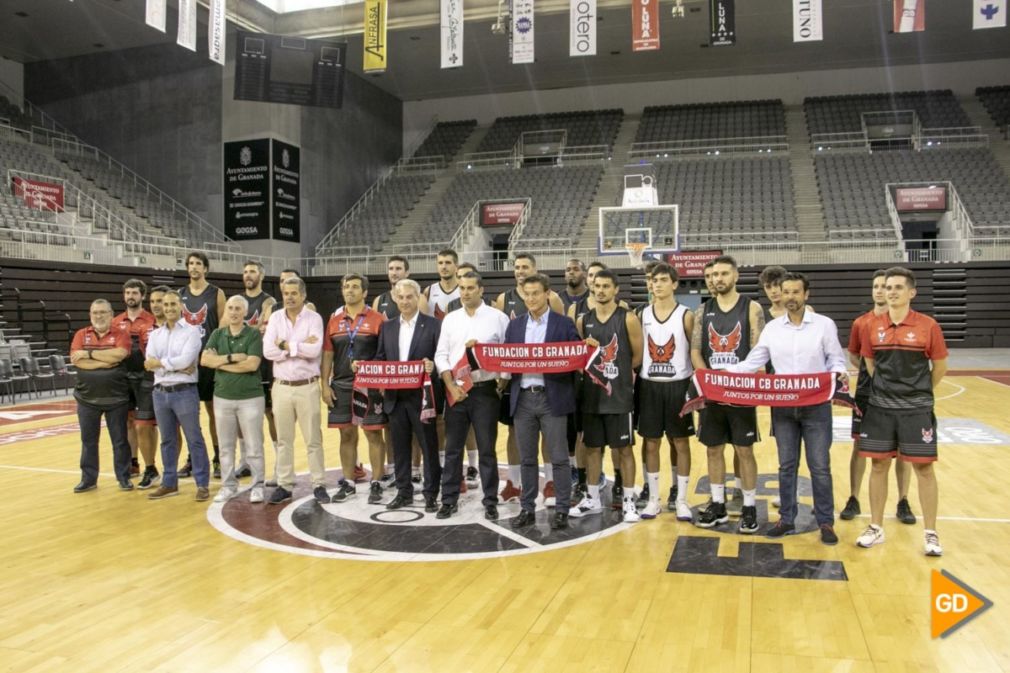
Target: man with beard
{"points": [[397, 268], [726, 327], [352, 334], [203, 308], [513, 304], [141, 424], [438, 295], [575, 283]]}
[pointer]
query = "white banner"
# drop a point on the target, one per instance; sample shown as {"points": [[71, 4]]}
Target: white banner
{"points": [[989, 14], [451, 24], [156, 14], [187, 24], [582, 28], [807, 21], [216, 28], [522, 31]]}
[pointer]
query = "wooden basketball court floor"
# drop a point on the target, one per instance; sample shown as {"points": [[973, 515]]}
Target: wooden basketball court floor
{"points": [[109, 581]]}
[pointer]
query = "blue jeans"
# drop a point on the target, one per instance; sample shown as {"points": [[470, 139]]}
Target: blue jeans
{"points": [[173, 409], [812, 425]]}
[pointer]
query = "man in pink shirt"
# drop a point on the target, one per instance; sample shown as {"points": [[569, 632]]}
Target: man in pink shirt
{"points": [[294, 343]]}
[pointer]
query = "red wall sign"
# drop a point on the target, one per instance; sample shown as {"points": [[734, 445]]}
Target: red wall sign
{"points": [[501, 214], [691, 264], [39, 195], [907, 199]]}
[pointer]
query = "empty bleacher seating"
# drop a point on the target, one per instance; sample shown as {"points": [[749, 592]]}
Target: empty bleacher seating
{"points": [[996, 100], [584, 128], [742, 119], [377, 219], [855, 204], [446, 139], [843, 114]]}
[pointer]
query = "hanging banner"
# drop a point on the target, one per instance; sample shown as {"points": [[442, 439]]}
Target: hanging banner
{"points": [[286, 191], [187, 24], [216, 27], [522, 31], [723, 22], [451, 25], [989, 14], [155, 16], [582, 28], [807, 21], [909, 16], [375, 35], [247, 189], [644, 25]]}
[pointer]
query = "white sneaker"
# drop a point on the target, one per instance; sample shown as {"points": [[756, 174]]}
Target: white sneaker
{"points": [[933, 547], [225, 494], [684, 512], [589, 505], [652, 510], [256, 494], [776, 502], [872, 535], [630, 512]]}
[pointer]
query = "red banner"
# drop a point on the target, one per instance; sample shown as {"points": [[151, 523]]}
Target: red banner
{"points": [[500, 214], [39, 195], [389, 375], [767, 390], [546, 358], [644, 25], [910, 199], [691, 264], [909, 16]]}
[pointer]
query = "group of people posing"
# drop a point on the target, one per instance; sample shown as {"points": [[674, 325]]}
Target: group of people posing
{"points": [[248, 358]]}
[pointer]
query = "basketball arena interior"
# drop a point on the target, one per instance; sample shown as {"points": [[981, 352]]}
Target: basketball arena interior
{"points": [[324, 137]]}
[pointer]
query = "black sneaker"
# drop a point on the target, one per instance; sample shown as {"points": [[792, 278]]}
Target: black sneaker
{"points": [[415, 478], [345, 491], [243, 472], [150, 478], [643, 497], [375, 493], [617, 495], [671, 500], [321, 496], [472, 476], [388, 481], [279, 495], [905, 512], [780, 529], [851, 510], [216, 465], [712, 516], [748, 520], [187, 469]]}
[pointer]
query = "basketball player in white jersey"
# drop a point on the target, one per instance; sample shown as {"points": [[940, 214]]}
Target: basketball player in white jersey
{"points": [[665, 376], [438, 295]]}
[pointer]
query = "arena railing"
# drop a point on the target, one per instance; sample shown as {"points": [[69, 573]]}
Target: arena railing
{"points": [[960, 217], [664, 149], [427, 164], [419, 140], [957, 136], [328, 242], [489, 160], [849, 140], [585, 154], [75, 147]]}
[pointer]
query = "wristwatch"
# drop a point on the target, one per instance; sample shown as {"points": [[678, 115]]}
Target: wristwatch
{"points": [[229, 358]]}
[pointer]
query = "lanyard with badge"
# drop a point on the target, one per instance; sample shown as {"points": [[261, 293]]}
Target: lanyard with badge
{"points": [[352, 333]]}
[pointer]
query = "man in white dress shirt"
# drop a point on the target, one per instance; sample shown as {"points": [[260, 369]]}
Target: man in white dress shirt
{"points": [[475, 322], [801, 342]]}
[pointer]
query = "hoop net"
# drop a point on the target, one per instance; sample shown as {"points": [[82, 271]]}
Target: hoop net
{"points": [[636, 250]]}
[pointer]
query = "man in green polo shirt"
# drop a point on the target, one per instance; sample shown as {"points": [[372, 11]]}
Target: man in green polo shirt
{"points": [[235, 351]]}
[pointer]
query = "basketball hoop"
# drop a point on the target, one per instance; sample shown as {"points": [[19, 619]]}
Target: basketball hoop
{"points": [[636, 249]]}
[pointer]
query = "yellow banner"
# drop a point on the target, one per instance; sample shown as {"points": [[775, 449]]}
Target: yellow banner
{"points": [[375, 35]]}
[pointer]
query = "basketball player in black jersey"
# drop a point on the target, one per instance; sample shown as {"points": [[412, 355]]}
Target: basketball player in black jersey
{"points": [[203, 307], [608, 390], [257, 315], [513, 304], [726, 327], [397, 268], [575, 283]]}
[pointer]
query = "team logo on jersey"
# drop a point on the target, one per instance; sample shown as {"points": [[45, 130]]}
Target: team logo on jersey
{"points": [[604, 364], [196, 319], [254, 319], [438, 312], [660, 356], [369, 532], [927, 435], [724, 346], [881, 335]]}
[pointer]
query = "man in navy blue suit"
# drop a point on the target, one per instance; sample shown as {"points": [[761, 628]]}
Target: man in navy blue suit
{"points": [[410, 336], [540, 403]]}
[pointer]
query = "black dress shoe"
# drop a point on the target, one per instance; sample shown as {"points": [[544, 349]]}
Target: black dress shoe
{"points": [[491, 512], [559, 521], [399, 501], [445, 511], [524, 519], [85, 486], [430, 503]]}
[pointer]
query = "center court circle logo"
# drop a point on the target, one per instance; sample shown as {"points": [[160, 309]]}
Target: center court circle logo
{"points": [[357, 530]]}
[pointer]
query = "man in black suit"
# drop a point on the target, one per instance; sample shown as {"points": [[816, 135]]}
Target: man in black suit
{"points": [[540, 403], [410, 336]]}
